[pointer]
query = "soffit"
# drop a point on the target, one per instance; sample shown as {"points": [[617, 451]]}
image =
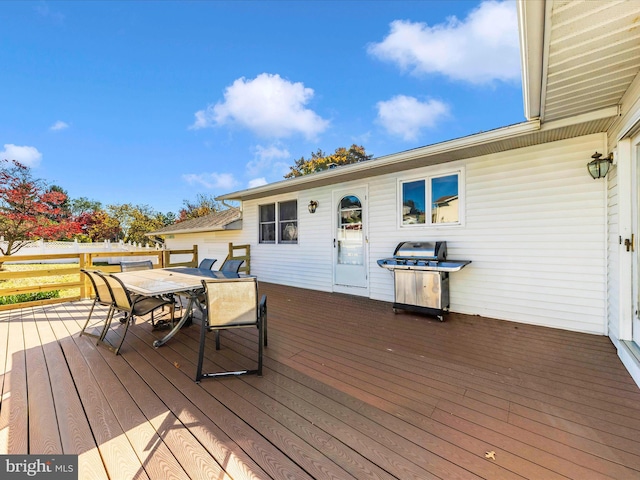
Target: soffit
{"points": [[592, 55]]}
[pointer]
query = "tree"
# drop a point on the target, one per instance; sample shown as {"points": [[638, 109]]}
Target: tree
{"points": [[29, 210], [136, 221], [98, 226], [168, 218], [84, 205], [319, 161], [65, 206], [203, 205]]}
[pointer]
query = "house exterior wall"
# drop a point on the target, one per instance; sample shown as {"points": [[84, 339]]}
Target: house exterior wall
{"points": [[306, 264], [534, 228]]}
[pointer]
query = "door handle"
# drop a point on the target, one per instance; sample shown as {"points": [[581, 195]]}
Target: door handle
{"points": [[629, 243], [334, 243]]}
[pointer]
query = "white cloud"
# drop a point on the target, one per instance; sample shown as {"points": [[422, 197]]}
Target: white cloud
{"points": [[267, 105], [482, 48], [44, 11], [405, 116], [28, 156], [59, 125], [266, 158], [257, 182], [219, 181]]}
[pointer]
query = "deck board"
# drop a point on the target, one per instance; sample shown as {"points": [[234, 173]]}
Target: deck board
{"points": [[75, 431], [115, 448], [350, 390], [14, 416], [44, 436]]}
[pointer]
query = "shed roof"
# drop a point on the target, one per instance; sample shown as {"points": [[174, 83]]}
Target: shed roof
{"points": [[229, 219]]}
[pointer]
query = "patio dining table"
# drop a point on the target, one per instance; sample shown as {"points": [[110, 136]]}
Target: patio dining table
{"points": [[172, 281]]}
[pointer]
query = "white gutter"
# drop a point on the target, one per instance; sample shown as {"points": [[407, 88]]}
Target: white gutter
{"points": [[531, 21]]}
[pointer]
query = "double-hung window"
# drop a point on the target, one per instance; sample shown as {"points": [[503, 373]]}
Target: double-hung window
{"points": [[432, 200], [279, 222]]}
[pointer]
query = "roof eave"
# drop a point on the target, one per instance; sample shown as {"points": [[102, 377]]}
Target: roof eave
{"points": [[333, 175], [194, 230]]}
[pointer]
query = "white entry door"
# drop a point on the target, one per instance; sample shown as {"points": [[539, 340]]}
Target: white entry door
{"points": [[350, 238]]}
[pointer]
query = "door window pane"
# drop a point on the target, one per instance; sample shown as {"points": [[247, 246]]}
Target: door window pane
{"points": [[350, 235]]}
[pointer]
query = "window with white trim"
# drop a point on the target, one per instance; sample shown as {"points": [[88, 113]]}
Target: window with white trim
{"points": [[279, 222], [432, 200]]}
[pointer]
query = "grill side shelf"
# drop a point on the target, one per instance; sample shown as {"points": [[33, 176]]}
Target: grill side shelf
{"points": [[446, 266]]}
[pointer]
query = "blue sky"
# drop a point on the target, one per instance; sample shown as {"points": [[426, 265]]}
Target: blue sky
{"points": [[155, 102]]}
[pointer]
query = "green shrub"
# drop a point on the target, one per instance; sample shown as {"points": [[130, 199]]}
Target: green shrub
{"points": [[29, 297]]}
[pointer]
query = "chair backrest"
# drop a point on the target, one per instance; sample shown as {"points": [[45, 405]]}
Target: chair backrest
{"points": [[119, 293], [100, 287], [136, 265], [207, 263], [231, 302], [231, 265]]}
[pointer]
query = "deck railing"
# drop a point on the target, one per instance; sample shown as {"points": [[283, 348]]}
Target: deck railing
{"points": [[74, 262], [246, 266]]}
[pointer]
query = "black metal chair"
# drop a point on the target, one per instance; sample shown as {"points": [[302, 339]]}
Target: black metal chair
{"points": [[231, 265], [232, 303], [133, 307], [207, 263], [102, 297]]}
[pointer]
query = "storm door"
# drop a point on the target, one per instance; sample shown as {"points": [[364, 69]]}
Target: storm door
{"points": [[350, 238]]}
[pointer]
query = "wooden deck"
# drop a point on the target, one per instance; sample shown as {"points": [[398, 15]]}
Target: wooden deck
{"points": [[350, 390]]}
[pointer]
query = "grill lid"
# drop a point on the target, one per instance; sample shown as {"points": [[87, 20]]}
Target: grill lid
{"points": [[424, 250]]}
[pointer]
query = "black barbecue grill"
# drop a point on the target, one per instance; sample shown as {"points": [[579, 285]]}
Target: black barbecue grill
{"points": [[421, 276]]}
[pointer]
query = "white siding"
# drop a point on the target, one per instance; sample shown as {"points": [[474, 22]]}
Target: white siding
{"points": [[306, 264], [535, 230], [613, 271]]}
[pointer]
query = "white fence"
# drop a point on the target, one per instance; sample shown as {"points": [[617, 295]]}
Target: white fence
{"points": [[40, 247]]}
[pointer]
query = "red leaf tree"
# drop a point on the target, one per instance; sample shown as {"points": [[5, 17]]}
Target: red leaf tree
{"points": [[28, 211]]}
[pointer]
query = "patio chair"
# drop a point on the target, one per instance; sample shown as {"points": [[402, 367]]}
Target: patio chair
{"points": [[133, 307], [231, 265], [232, 303], [102, 297], [207, 263], [136, 265]]}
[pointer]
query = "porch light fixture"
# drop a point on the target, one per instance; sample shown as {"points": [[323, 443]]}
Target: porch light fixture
{"points": [[599, 167], [313, 204]]}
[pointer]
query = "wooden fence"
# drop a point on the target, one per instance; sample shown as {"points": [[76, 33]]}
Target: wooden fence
{"points": [[77, 261], [80, 260]]}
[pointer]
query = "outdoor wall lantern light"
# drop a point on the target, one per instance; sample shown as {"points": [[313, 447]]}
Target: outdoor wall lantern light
{"points": [[599, 167], [312, 206]]}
